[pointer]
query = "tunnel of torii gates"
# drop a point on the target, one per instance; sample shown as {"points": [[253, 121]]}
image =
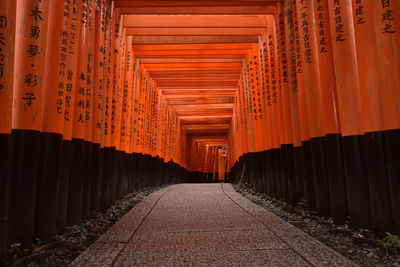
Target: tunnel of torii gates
{"points": [[100, 98]]}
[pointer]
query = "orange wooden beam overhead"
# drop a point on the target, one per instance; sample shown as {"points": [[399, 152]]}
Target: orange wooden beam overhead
{"points": [[200, 71], [193, 39], [190, 52], [195, 21], [221, 10], [182, 47], [130, 3], [225, 105], [185, 93], [204, 121], [194, 31], [187, 78], [206, 116], [189, 60], [193, 56], [194, 84], [166, 69], [194, 65], [195, 75]]}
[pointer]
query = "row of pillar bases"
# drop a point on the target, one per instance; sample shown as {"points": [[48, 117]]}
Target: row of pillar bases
{"points": [[352, 178], [48, 183]]}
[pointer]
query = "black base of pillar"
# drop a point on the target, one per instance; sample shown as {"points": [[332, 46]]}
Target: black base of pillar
{"points": [[320, 176], [23, 181], [392, 149], [64, 173], [75, 190], [309, 191], [5, 148], [356, 181], [47, 186], [337, 179]]}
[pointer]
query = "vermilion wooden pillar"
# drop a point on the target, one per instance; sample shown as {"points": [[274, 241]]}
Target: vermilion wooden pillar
{"points": [[75, 195], [7, 33], [350, 111], [387, 26], [370, 88], [258, 113], [307, 168], [284, 73], [88, 144], [111, 110], [117, 108], [52, 123], [329, 114], [70, 91], [312, 87], [119, 55], [29, 64], [126, 114], [100, 95], [280, 134], [293, 95]]}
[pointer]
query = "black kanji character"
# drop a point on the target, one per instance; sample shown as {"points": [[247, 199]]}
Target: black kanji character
{"points": [[31, 80], [3, 22], [29, 98], [35, 32], [36, 13], [33, 50]]}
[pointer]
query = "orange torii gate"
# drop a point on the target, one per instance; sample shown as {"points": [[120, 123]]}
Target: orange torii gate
{"points": [[99, 98]]}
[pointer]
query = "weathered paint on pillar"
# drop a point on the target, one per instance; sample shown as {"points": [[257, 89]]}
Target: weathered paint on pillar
{"points": [[7, 42]]}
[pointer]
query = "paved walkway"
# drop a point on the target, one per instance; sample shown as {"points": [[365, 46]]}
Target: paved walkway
{"points": [[203, 225]]}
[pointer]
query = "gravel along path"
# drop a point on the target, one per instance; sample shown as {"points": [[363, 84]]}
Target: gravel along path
{"points": [[360, 247]]}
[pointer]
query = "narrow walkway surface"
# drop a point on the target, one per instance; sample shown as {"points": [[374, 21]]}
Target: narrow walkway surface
{"points": [[203, 225]]}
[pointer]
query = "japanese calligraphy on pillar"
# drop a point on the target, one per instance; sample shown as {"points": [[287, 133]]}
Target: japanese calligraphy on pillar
{"points": [[273, 75], [71, 70], [267, 72], [321, 12], [254, 85], [90, 72], [63, 60], [299, 64], [81, 74], [304, 24], [55, 69], [115, 87], [291, 48], [99, 73], [282, 52], [359, 12], [387, 17], [339, 26], [108, 74], [30, 41]]}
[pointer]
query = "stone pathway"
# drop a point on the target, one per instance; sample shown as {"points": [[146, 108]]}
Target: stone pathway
{"points": [[205, 225]]}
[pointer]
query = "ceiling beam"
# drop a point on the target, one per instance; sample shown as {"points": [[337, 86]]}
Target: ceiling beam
{"points": [[194, 31], [220, 10], [203, 3], [193, 39], [195, 21], [181, 47]]}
